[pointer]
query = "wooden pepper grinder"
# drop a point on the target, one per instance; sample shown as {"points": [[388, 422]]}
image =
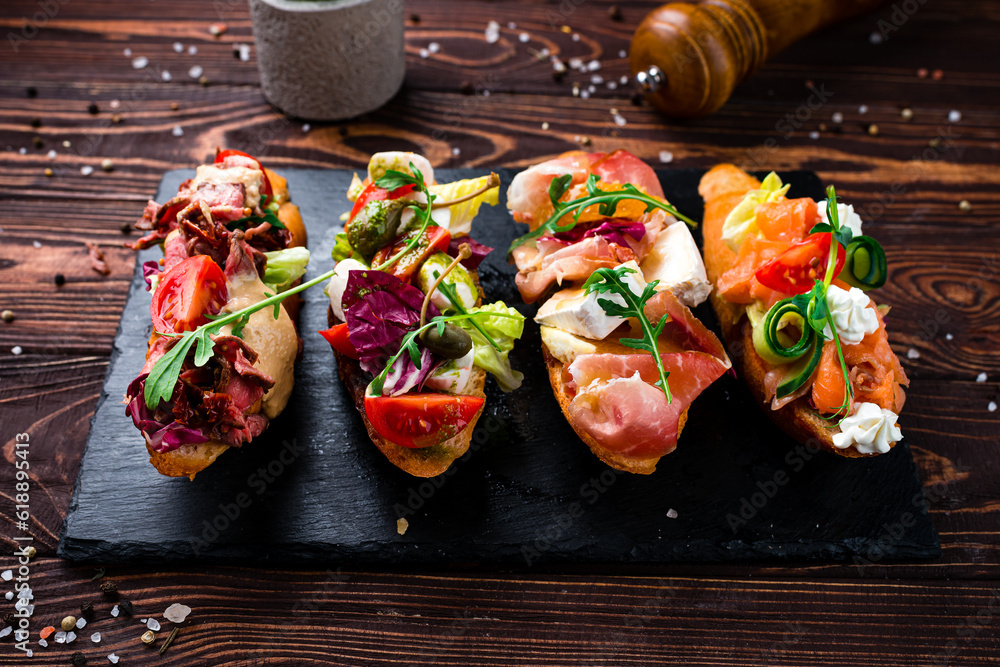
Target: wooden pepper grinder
{"points": [[688, 56]]}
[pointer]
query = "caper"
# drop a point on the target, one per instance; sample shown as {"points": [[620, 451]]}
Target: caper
{"points": [[454, 343], [374, 226]]}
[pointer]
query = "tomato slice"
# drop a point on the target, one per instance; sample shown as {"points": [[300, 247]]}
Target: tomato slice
{"points": [[421, 420], [796, 270], [374, 193], [337, 337], [434, 239], [189, 291], [221, 155]]}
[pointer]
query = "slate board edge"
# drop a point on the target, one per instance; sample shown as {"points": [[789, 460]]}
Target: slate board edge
{"points": [[91, 551]]}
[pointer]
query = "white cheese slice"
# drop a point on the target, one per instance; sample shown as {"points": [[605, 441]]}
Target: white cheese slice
{"points": [[455, 376], [579, 313], [338, 283], [565, 346], [677, 264], [399, 161]]}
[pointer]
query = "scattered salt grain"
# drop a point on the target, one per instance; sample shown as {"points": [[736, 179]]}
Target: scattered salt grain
{"points": [[597, 79], [16, 350], [140, 62], [671, 513], [178, 131], [512, 26], [36, 244], [192, 50], [96, 637], [424, 53], [112, 658], [244, 51], [624, 80], [593, 65], [29, 653], [592, 89], [127, 52], [86, 170], [875, 38], [954, 116], [433, 47], [612, 85], [7, 575], [23, 151], [524, 38], [912, 353], [42, 643], [80, 623], [575, 63], [51, 154], [992, 407], [545, 125], [114, 611], [166, 76], [178, 47], [176, 613], [306, 127], [623, 54], [196, 71], [863, 109], [9, 595], [814, 135], [981, 377], [70, 637], [620, 120], [666, 157], [492, 32], [114, 104], [6, 631], [456, 151], [153, 624], [60, 637], [575, 37]]}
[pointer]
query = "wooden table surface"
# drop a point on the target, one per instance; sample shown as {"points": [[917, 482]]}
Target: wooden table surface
{"points": [[58, 57]]}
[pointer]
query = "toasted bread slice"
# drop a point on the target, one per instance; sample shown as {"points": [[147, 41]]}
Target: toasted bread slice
{"points": [[722, 188], [557, 378], [186, 460], [422, 462]]}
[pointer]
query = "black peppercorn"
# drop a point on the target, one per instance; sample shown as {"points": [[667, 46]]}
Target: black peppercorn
{"points": [[87, 610], [108, 587], [36, 122], [126, 228], [60, 280], [37, 142], [637, 99], [32, 92], [93, 109], [125, 608], [8, 618], [615, 12], [414, 18], [78, 659], [467, 88]]}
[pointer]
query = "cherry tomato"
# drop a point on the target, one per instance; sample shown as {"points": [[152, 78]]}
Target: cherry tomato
{"points": [[189, 291], [421, 420], [254, 163], [434, 239], [337, 337], [374, 193], [796, 270]]}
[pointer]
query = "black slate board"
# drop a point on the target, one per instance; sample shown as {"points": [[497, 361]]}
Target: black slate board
{"points": [[314, 488]]}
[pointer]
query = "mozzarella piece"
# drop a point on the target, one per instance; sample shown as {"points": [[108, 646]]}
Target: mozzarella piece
{"points": [[565, 346], [576, 312], [677, 264], [250, 179], [399, 161], [454, 377], [338, 283]]}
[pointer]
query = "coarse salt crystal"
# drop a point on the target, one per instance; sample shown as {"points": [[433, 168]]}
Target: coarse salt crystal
{"points": [[454, 151], [620, 120], [176, 613], [576, 37], [114, 104], [70, 636], [623, 54], [23, 151], [592, 88], [597, 79], [948, 336], [424, 53], [166, 76], [512, 26], [624, 80], [666, 156], [545, 125], [7, 575], [612, 85], [244, 53], [875, 38], [575, 63], [9, 595], [837, 117], [306, 127], [992, 407], [593, 65], [192, 50], [29, 653], [584, 94], [178, 47], [114, 611], [178, 131], [671, 513], [112, 658], [863, 109], [912, 353], [196, 71], [86, 170], [96, 637], [981, 377], [814, 135], [140, 62], [6, 631], [16, 350], [954, 116], [51, 154], [60, 637], [153, 624], [127, 52], [524, 38], [80, 622], [42, 643], [433, 47]]}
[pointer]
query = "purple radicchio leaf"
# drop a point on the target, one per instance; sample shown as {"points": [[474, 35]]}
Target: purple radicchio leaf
{"points": [[613, 229], [163, 436], [479, 251], [149, 269]]}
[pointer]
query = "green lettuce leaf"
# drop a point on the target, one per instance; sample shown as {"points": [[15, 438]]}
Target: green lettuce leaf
{"points": [[284, 267], [503, 330]]}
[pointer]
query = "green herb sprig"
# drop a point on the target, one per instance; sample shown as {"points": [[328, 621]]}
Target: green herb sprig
{"points": [[606, 280], [409, 345], [163, 376], [254, 220], [393, 180], [607, 202]]}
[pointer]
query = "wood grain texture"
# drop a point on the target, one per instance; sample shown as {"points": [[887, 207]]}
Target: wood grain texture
{"points": [[908, 179]]}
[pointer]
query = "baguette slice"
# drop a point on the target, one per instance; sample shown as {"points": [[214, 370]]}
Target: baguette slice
{"points": [[722, 188], [186, 460], [422, 462], [557, 377]]}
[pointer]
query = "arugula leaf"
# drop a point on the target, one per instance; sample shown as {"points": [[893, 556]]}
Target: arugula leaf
{"points": [[606, 200], [611, 281], [393, 180]]}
